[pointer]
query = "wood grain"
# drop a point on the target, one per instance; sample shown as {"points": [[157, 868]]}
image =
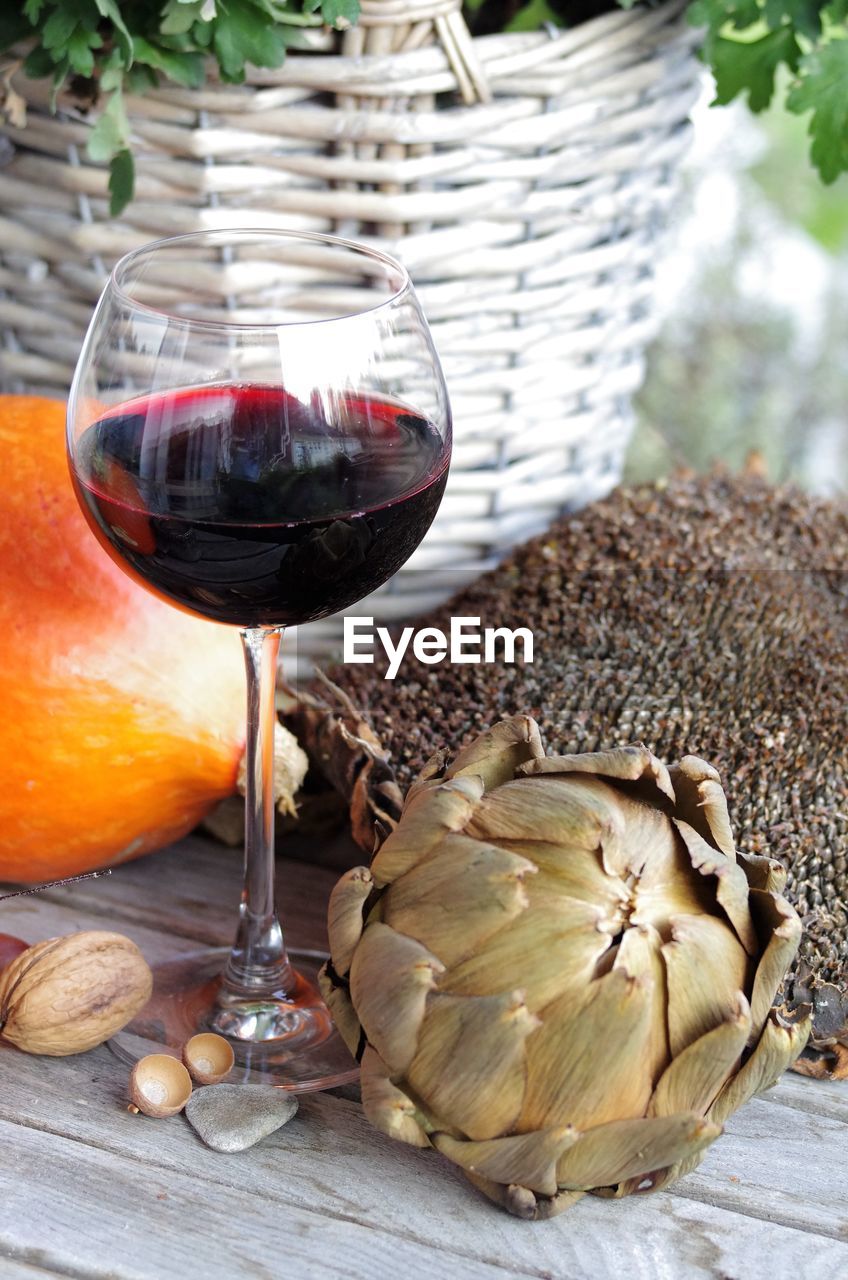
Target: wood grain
{"points": [[781, 1165], [193, 889], [330, 1159], [94, 1212], [12, 1268], [327, 1196], [807, 1095], [36, 918]]}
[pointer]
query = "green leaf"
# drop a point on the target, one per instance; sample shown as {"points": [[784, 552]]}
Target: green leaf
{"points": [[184, 68], [243, 34], [109, 9], [140, 78], [58, 28], [741, 66], [178, 17], [112, 71], [822, 88], [121, 182], [81, 46], [340, 13], [535, 14], [716, 14], [32, 9], [39, 63], [112, 131], [803, 15], [837, 12], [202, 33]]}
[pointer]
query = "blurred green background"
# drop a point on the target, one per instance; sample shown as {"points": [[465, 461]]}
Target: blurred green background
{"points": [[753, 349]]}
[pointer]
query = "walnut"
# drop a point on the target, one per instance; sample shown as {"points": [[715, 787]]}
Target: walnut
{"points": [[67, 995]]}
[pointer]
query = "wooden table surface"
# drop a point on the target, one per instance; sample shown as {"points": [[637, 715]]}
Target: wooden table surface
{"points": [[87, 1190]]}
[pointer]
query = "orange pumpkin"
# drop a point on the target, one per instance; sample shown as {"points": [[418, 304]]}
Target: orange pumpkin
{"points": [[121, 718]]}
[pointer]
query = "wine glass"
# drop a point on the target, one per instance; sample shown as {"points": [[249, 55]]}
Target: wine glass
{"points": [[259, 432]]}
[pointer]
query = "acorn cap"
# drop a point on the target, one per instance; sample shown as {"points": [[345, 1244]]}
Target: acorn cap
{"points": [[159, 1086], [209, 1058]]}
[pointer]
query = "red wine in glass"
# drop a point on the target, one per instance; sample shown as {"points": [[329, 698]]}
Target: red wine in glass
{"points": [[244, 504]]}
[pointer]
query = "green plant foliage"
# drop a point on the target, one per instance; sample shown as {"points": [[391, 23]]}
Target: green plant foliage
{"points": [[101, 50], [822, 88], [747, 42]]}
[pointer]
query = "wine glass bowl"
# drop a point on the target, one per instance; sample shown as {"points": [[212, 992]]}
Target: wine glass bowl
{"points": [[258, 472], [259, 432]]}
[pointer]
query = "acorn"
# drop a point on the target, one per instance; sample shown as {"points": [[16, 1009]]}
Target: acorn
{"points": [[209, 1058], [160, 1086]]}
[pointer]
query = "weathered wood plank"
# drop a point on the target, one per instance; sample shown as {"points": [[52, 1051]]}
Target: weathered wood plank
{"points": [[34, 919], [779, 1164], [773, 1187], [813, 1096], [12, 1268], [193, 889], [330, 1159], [94, 1212]]}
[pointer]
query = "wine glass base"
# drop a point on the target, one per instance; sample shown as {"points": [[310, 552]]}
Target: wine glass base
{"points": [[290, 1042]]}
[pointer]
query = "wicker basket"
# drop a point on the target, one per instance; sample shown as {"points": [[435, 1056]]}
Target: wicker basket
{"points": [[522, 178]]}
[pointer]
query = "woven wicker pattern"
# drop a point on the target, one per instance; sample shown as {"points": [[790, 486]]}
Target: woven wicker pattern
{"points": [[522, 178]]}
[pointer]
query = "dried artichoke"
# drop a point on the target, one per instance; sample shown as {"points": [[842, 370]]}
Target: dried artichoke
{"points": [[559, 973]]}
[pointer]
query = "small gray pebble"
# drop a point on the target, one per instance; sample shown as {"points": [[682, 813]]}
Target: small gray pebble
{"points": [[233, 1117]]}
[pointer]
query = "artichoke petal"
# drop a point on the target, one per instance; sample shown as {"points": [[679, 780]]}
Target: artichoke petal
{"points": [[706, 968], [702, 803], [780, 1044], [487, 1035], [386, 1106], [495, 755], [580, 813], [657, 1178], [611, 1153], [587, 1062], [343, 1013], [487, 880], [427, 818], [634, 763], [731, 883], [526, 1159], [432, 773], [520, 1201], [344, 915], [390, 978], [763, 873], [570, 873], [639, 956], [780, 923], [658, 862], [693, 1079], [553, 945]]}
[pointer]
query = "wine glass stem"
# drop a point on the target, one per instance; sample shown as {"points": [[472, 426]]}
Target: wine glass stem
{"points": [[258, 964]]}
